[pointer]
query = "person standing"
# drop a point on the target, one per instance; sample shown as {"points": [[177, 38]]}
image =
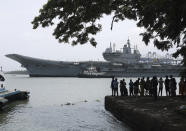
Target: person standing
{"points": [[142, 86], [172, 86], [112, 86], [116, 87], [154, 86], [147, 86], [125, 91], [160, 86], [136, 88], [167, 89], [181, 87], [121, 88], [151, 88], [184, 89], [131, 88]]}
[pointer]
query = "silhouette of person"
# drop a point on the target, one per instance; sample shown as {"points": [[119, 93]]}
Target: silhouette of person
{"points": [[125, 88], [172, 86], [136, 88], [160, 86], [184, 90], [142, 86], [181, 87], [2, 79], [112, 86], [154, 86], [131, 88], [121, 88], [147, 86], [115, 87], [167, 89]]}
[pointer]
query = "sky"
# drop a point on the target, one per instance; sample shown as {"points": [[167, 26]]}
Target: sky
{"points": [[17, 36]]}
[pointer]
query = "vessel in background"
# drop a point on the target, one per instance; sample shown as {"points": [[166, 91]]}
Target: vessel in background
{"points": [[125, 63]]}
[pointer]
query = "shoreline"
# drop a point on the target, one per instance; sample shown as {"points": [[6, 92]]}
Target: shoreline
{"points": [[143, 113]]}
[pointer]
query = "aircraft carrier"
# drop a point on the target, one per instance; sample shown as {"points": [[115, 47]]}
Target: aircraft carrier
{"points": [[125, 63]]}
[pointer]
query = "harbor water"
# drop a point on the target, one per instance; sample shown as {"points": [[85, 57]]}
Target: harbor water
{"points": [[59, 104]]}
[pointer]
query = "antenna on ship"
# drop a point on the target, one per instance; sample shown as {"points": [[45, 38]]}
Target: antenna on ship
{"points": [[128, 42], [114, 45], [110, 47]]}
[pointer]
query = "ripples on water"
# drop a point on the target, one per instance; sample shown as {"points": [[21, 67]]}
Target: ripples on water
{"points": [[46, 109]]}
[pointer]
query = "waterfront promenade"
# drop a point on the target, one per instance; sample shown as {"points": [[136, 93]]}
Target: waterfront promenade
{"points": [[143, 113]]}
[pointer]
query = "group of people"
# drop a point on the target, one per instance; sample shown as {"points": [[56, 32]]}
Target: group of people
{"points": [[114, 87], [149, 86]]}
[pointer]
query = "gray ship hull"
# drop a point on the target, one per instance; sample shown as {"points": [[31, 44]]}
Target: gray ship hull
{"points": [[47, 68]]}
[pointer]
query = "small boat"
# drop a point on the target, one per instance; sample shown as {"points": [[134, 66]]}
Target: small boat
{"points": [[93, 76], [8, 96], [93, 73]]}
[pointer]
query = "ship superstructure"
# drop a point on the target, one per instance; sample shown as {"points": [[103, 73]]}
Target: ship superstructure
{"points": [[126, 56]]}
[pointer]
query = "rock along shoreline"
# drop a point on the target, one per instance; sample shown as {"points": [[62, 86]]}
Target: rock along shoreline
{"points": [[145, 114]]}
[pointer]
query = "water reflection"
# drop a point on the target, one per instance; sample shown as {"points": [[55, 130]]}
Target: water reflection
{"points": [[10, 110]]}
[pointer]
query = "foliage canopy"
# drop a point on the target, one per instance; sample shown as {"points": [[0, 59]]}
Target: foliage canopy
{"points": [[164, 20]]}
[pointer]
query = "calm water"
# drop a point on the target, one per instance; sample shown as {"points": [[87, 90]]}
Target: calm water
{"points": [[46, 109]]}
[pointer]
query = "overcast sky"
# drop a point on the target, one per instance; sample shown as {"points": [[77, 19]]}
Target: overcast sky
{"points": [[17, 36]]}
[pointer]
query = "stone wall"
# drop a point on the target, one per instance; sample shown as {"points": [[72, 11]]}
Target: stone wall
{"points": [[131, 111]]}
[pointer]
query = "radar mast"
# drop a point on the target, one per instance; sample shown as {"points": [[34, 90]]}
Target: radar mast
{"points": [[128, 43]]}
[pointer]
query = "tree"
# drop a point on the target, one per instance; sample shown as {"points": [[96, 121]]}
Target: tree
{"points": [[164, 20]]}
